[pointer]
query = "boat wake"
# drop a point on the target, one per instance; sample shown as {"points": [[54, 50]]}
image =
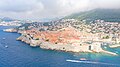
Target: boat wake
{"points": [[90, 62]]}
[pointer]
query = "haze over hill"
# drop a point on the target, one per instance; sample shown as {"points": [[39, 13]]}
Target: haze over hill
{"points": [[6, 19], [37, 9], [103, 14]]}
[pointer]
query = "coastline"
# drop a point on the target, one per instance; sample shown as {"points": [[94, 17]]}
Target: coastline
{"points": [[21, 51], [114, 46], [10, 30], [67, 47], [59, 47]]}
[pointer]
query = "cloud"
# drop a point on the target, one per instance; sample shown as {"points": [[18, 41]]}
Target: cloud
{"points": [[64, 7], [35, 9], [111, 4], [19, 5]]}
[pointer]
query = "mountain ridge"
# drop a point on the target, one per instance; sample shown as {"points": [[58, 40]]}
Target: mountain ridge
{"points": [[110, 15]]}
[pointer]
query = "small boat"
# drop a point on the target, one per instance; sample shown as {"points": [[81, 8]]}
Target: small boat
{"points": [[105, 47], [6, 46], [83, 59]]}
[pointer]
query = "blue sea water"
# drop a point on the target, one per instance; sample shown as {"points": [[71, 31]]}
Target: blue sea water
{"points": [[19, 54]]}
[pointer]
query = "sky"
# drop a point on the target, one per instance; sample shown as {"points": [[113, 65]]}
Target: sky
{"points": [[37, 9]]}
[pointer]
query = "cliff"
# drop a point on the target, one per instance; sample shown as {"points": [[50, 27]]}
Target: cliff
{"points": [[62, 40], [47, 45], [27, 39], [62, 47]]}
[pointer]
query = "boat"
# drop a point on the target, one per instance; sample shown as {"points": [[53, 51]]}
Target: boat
{"points": [[83, 59], [6, 46], [105, 47]]}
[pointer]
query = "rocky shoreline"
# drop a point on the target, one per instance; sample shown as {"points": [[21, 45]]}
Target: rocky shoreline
{"points": [[47, 45], [61, 47], [114, 46], [72, 36]]}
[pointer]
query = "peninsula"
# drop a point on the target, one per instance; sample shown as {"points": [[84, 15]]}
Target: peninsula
{"points": [[71, 35], [88, 31]]}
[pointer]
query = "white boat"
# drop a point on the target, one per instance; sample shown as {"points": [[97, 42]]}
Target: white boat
{"points": [[89, 62], [105, 47], [83, 59], [6, 46]]}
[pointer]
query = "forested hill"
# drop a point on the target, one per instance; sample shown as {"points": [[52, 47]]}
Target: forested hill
{"points": [[111, 15]]}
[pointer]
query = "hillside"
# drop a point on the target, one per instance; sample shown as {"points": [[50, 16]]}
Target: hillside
{"points": [[7, 19], [103, 14]]}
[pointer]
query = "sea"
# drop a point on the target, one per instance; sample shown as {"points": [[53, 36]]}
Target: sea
{"points": [[15, 53]]}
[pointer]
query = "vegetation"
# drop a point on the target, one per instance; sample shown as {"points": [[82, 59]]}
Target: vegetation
{"points": [[37, 39], [109, 15], [80, 44], [24, 25], [56, 43], [106, 37]]}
